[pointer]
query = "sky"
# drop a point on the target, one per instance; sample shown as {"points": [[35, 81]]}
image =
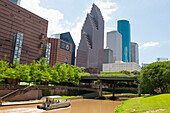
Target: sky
{"points": [[149, 20]]}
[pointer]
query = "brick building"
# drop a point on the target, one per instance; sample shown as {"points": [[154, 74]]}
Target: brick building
{"points": [[22, 33], [59, 51]]}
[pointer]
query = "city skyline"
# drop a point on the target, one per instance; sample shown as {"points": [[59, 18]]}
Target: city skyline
{"points": [[147, 19]]}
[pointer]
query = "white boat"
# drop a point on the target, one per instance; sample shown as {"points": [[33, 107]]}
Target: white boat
{"points": [[53, 102]]}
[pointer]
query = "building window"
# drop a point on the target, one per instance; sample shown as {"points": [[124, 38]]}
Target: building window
{"points": [[47, 55], [18, 47]]}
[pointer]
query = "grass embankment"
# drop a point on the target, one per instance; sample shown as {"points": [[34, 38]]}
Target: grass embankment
{"points": [[157, 103]]}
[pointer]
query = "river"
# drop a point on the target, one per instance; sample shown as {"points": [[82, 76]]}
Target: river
{"points": [[77, 106]]}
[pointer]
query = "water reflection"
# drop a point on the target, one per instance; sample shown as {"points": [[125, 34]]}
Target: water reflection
{"points": [[77, 106]]}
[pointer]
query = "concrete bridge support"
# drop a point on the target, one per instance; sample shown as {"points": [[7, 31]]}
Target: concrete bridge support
{"points": [[100, 93], [113, 90]]}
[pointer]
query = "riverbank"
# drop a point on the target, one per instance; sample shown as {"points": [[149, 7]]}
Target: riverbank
{"points": [[156, 103]]}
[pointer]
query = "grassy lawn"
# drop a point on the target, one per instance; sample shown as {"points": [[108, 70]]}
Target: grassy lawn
{"points": [[127, 94], [65, 97], [115, 75], [157, 103]]}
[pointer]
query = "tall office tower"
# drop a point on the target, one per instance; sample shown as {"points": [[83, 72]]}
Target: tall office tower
{"points": [[114, 42], [134, 52], [90, 53], [16, 1], [124, 29], [108, 56], [68, 38]]}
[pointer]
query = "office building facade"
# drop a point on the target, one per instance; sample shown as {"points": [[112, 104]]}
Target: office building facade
{"points": [[90, 53], [16, 1], [119, 66], [114, 42], [134, 52], [22, 34], [68, 38], [108, 56], [123, 27], [58, 51]]}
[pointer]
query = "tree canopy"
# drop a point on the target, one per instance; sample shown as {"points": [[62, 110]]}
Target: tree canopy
{"points": [[40, 71], [156, 75]]}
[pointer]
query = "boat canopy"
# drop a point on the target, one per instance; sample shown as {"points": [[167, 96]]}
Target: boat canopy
{"points": [[52, 96]]}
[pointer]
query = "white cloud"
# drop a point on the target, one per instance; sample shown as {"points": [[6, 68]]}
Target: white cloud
{"points": [[149, 44], [53, 16], [58, 24], [107, 8]]}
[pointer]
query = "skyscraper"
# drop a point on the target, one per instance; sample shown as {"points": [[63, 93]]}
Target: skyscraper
{"points": [[134, 52], [123, 27], [108, 56], [90, 53], [68, 38], [16, 1], [114, 42]]}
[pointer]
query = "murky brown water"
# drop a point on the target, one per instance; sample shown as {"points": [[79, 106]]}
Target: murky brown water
{"points": [[77, 106]]}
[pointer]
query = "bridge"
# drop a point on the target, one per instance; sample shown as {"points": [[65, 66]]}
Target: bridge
{"points": [[104, 79]]}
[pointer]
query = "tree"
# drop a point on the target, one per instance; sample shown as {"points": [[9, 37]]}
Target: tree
{"points": [[71, 77], [76, 74], [155, 75], [33, 71], [43, 72], [64, 73], [23, 72], [82, 69], [4, 65]]}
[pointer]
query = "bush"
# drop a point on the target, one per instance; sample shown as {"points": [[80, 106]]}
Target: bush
{"points": [[125, 72], [110, 72]]}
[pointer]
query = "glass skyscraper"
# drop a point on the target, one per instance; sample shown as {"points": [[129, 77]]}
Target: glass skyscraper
{"points": [[123, 27], [16, 1]]}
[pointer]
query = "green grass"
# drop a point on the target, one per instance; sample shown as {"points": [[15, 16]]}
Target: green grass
{"points": [[159, 103], [115, 75], [110, 72], [127, 94], [65, 97]]}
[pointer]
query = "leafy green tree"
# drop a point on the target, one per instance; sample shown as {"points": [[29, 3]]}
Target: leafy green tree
{"points": [[43, 71], [4, 65], [64, 73], [23, 72], [71, 77], [33, 71], [10, 73], [156, 75], [76, 74]]}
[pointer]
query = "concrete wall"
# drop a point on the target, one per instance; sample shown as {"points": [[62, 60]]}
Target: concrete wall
{"points": [[34, 93], [119, 66]]}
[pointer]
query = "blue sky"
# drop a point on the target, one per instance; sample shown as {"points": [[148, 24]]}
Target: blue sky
{"points": [[149, 19]]}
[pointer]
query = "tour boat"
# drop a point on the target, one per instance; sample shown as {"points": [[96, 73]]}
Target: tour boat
{"points": [[53, 102]]}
